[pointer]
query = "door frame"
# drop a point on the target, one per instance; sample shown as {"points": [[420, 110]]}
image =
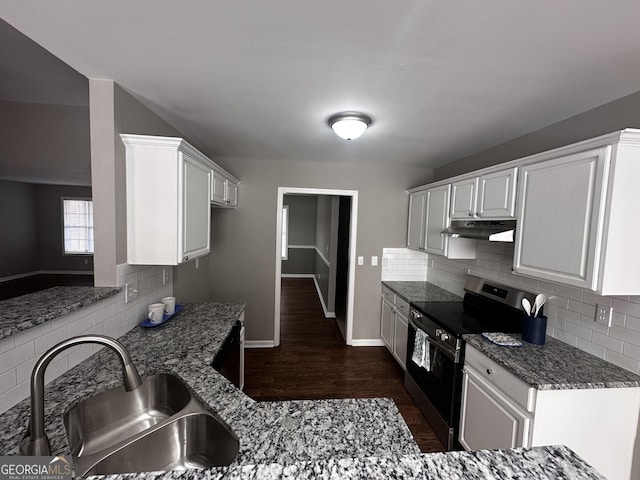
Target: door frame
{"points": [[282, 191]]}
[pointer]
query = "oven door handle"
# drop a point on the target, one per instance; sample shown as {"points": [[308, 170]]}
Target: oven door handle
{"points": [[443, 348]]}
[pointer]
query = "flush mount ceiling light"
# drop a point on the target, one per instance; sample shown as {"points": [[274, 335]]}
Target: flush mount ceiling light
{"points": [[349, 125]]}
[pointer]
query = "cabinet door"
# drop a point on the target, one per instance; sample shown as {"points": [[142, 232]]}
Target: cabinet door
{"points": [[463, 198], [231, 194], [415, 231], [218, 189], [488, 420], [497, 195], [559, 212], [437, 219], [196, 218], [387, 321], [400, 339]]}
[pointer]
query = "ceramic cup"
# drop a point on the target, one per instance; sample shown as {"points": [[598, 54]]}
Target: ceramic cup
{"points": [[169, 305], [156, 312]]}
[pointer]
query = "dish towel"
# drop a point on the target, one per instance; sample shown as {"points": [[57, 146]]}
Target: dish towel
{"points": [[420, 354]]}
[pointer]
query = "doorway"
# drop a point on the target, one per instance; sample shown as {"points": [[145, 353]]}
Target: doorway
{"points": [[346, 220]]}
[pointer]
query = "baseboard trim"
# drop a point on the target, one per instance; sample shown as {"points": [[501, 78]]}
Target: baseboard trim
{"points": [[259, 344], [297, 275], [367, 342], [327, 313]]}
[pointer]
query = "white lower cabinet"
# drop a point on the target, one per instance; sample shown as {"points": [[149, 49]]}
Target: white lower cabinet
{"points": [[498, 410], [394, 326]]}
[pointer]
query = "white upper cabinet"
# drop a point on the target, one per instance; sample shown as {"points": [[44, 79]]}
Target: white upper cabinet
{"points": [[577, 216], [489, 196], [168, 200], [436, 220], [224, 189], [415, 231]]}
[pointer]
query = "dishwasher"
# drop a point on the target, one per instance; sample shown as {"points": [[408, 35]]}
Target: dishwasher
{"points": [[229, 361]]}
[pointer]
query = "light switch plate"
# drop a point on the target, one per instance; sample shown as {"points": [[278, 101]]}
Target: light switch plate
{"points": [[604, 314], [165, 276], [360, 260], [374, 261], [131, 291]]}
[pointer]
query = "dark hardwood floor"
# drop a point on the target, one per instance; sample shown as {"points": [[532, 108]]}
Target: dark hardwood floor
{"points": [[313, 362]]}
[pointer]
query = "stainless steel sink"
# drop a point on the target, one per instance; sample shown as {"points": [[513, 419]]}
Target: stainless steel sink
{"points": [[108, 418], [193, 441], [157, 426]]}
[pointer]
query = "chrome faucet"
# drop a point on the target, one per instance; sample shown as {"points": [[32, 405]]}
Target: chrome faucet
{"points": [[36, 441]]}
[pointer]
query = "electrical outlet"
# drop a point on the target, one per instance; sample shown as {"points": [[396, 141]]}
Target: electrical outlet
{"points": [[360, 260], [165, 276], [604, 314], [374, 261], [131, 291]]}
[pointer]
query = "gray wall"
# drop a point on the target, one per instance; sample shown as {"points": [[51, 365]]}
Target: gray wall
{"points": [[31, 132], [616, 115], [302, 231], [50, 236], [243, 257], [19, 237]]}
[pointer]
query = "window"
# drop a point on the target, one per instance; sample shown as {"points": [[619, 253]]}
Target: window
{"points": [[285, 232], [77, 219]]}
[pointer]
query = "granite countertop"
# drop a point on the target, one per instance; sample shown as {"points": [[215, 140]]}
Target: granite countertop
{"points": [[356, 438], [421, 292], [538, 463], [27, 311], [555, 365]]}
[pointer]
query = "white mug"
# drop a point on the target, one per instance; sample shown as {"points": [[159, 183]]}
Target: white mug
{"points": [[169, 305], [156, 312]]}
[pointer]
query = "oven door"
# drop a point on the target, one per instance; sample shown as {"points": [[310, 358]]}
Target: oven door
{"points": [[440, 379]]}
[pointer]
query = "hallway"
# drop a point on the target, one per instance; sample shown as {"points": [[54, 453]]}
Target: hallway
{"points": [[313, 362]]}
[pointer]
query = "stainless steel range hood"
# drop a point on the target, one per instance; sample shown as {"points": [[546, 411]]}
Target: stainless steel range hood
{"points": [[492, 230]]}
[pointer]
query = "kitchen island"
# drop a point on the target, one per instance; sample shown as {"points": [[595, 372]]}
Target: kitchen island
{"points": [[356, 438]]}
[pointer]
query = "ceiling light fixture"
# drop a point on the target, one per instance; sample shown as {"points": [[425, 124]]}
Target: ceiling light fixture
{"points": [[349, 125]]}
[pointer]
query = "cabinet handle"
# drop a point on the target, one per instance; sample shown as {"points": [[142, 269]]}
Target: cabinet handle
{"points": [[471, 214], [477, 214], [185, 259], [489, 371]]}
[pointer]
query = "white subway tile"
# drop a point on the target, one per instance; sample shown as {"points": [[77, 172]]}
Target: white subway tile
{"points": [[32, 333], [595, 299], [8, 380], [579, 330], [566, 337], [610, 343], [102, 314], [592, 348], [626, 335], [79, 326], [7, 344], [23, 371], [631, 350], [570, 292], [48, 340], [548, 288], [568, 315], [558, 301], [14, 395], [16, 356], [582, 308], [618, 319], [627, 308], [623, 361], [591, 324], [632, 323]]}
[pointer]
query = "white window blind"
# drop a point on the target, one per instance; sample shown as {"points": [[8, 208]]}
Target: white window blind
{"points": [[77, 226]]}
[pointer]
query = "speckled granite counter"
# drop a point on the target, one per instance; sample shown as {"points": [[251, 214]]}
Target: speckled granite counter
{"points": [[269, 432], [26, 311], [364, 438], [541, 463], [555, 365], [421, 292]]}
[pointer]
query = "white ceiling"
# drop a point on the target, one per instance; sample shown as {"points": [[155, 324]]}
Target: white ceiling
{"points": [[257, 78]]}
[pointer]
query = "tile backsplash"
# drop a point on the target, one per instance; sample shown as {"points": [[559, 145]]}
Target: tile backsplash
{"points": [[570, 311], [112, 317], [402, 264]]}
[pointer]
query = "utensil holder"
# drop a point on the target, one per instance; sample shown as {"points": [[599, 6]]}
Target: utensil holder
{"points": [[534, 329]]}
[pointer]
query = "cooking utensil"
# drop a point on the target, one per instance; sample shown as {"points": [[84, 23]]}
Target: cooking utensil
{"points": [[541, 298], [526, 304]]}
